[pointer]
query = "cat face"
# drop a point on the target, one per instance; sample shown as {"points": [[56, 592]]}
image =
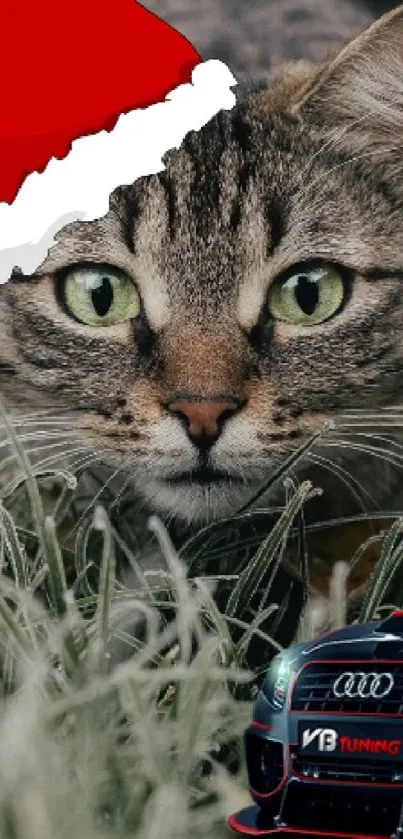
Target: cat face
{"points": [[227, 307]]}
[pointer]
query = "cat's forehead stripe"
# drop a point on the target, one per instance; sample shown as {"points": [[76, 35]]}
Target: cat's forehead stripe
{"points": [[204, 228]]}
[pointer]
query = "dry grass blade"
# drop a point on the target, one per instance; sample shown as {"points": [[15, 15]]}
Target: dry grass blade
{"points": [[390, 558], [265, 556]]}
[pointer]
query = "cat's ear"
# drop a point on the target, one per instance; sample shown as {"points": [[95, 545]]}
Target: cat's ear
{"points": [[362, 88]]}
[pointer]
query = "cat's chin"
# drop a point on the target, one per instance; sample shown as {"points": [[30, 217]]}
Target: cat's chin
{"points": [[195, 503]]}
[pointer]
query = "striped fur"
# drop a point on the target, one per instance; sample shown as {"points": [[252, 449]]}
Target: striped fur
{"points": [[303, 170]]}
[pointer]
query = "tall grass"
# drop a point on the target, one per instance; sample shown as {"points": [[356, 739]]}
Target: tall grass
{"points": [[97, 747], [123, 697]]}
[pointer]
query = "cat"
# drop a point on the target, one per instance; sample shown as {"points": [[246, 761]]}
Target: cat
{"points": [[257, 289]]}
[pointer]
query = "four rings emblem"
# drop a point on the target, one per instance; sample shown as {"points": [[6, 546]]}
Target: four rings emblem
{"points": [[360, 685]]}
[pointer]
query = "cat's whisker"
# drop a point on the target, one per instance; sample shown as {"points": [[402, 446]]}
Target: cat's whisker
{"points": [[46, 438], [98, 494], [119, 496], [236, 468], [40, 412], [351, 441], [379, 433], [336, 136], [35, 419], [372, 416], [392, 410], [372, 424], [37, 437], [43, 445], [60, 445], [364, 411], [207, 500], [43, 427], [44, 465], [382, 454], [351, 422], [345, 477], [57, 458], [323, 175], [377, 437], [82, 462], [38, 415]]}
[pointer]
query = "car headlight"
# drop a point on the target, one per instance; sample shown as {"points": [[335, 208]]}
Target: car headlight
{"points": [[277, 682]]}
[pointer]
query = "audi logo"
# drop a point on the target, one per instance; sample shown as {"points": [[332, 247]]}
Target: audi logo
{"points": [[363, 685]]}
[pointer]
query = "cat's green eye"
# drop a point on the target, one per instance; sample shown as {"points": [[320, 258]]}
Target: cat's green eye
{"points": [[99, 296], [308, 295]]}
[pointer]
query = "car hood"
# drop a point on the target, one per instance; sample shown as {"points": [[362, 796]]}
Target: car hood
{"points": [[375, 640]]}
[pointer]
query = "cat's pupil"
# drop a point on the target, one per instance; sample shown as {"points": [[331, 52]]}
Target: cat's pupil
{"points": [[102, 297], [307, 294]]}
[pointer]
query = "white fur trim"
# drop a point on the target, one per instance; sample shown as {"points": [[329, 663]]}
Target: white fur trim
{"points": [[79, 186]]}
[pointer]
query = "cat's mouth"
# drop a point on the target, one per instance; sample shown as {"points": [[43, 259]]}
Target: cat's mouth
{"points": [[205, 476], [198, 494]]}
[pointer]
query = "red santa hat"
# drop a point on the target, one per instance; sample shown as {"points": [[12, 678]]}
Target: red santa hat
{"points": [[93, 93]]}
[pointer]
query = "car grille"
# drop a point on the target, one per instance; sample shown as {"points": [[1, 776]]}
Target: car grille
{"points": [[265, 764], [352, 771], [330, 809], [313, 690]]}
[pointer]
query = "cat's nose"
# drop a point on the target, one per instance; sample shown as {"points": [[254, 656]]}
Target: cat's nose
{"points": [[204, 417]]}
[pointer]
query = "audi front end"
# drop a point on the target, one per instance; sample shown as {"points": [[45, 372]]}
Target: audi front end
{"points": [[324, 750]]}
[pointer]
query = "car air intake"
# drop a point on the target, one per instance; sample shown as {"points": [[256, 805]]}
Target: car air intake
{"points": [[328, 808], [265, 765]]}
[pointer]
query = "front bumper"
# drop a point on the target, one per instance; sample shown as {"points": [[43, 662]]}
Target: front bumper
{"points": [[351, 789], [251, 821]]}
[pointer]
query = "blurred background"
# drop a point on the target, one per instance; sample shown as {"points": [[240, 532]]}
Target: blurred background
{"points": [[254, 36]]}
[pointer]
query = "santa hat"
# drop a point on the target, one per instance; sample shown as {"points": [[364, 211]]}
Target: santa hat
{"points": [[93, 93]]}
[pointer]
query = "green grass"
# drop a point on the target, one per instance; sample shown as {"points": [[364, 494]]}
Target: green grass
{"points": [[124, 696]]}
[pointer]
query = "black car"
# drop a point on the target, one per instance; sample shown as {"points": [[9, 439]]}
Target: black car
{"points": [[324, 750]]}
